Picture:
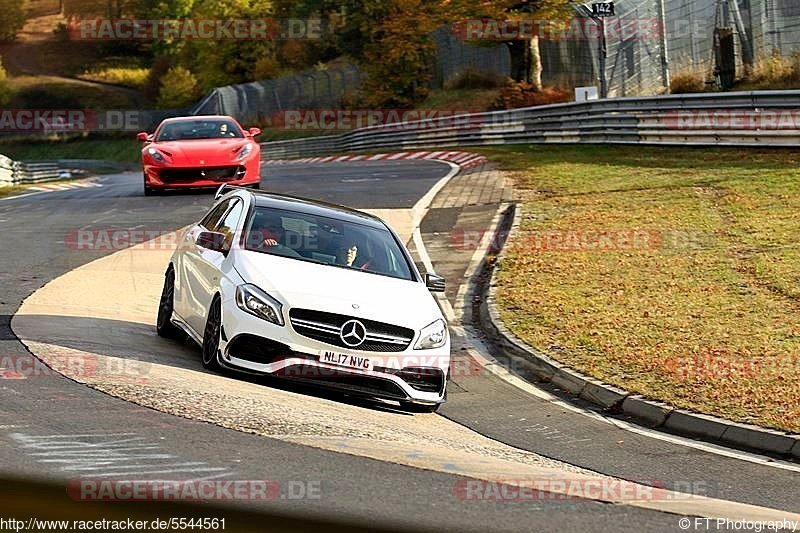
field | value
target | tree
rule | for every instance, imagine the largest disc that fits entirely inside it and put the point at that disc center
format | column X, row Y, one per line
column 390, row 39
column 5, row 89
column 178, row 89
column 12, row 19
column 526, row 61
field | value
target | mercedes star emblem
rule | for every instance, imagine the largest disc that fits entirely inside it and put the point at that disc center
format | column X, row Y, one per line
column 353, row 333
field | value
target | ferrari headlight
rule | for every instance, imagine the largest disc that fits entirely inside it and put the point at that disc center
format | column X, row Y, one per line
column 244, row 152
column 253, row 300
column 156, row 155
column 433, row 335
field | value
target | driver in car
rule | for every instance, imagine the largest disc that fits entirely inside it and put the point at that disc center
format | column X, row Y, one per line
column 273, row 235
column 348, row 256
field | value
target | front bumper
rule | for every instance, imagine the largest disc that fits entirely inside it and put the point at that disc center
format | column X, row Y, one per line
column 173, row 177
column 256, row 346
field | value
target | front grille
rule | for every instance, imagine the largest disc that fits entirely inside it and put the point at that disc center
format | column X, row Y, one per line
column 177, row 175
column 325, row 327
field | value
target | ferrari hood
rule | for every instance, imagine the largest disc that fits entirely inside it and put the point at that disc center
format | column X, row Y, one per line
column 202, row 152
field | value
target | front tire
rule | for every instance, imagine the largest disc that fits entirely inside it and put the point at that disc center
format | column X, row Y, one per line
column 211, row 336
column 164, row 326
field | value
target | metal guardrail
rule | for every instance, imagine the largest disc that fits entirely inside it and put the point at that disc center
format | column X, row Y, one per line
column 763, row 118
column 16, row 172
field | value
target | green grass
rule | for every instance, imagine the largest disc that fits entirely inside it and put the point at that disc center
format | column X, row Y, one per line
column 43, row 92
column 277, row 134
column 109, row 149
column 12, row 189
column 703, row 312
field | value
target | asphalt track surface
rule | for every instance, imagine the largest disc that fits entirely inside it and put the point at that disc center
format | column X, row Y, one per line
column 352, row 488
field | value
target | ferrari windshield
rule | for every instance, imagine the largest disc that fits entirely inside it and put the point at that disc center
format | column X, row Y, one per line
column 183, row 130
column 326, row 241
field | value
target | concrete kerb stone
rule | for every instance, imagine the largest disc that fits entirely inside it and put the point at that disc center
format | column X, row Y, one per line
column 649, row 412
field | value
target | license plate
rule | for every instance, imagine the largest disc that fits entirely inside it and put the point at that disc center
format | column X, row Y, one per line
column 350, row 361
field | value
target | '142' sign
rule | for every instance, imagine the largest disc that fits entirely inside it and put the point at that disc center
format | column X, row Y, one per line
column 603, row 9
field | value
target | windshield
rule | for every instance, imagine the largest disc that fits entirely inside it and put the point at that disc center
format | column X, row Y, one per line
column 199, row 129
column 326, row 241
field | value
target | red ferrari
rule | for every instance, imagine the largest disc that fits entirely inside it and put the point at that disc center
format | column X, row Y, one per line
column 200, row 152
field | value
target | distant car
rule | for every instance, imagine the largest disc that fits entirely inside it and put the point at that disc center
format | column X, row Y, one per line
column 200, row 152
column 273, row 284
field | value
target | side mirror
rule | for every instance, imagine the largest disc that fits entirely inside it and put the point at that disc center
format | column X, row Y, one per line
column 253, row 132
column 143, row 137
column 434, row 283
column 212, row 240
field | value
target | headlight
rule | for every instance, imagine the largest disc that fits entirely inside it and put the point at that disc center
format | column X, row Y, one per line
column 244, row 152
column 257, row 302
column 433, row 335
column 156, row 155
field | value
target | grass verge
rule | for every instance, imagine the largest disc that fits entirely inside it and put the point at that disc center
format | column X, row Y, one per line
column 673, row 273
column 118, row 150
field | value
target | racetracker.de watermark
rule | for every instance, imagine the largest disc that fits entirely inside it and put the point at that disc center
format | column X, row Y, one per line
column 192, row 490
column 75, row 365
column 623, row 28
column 568, row 489
column 567, row 240
column 78, row 120
column 577, row 29
column 399, row 119
column 193, row 29
column 723, row 119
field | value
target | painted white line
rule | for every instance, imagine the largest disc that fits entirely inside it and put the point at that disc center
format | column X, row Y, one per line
column 96, row 454
column 23, row 195
column 399, row 155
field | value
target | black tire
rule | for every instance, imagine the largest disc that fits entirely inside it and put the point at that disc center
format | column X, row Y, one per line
column 256, row 186
column 148, row 191
column 164, row 326
column 211, row 336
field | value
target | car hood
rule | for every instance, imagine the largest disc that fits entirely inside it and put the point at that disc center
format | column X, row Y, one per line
column 306, row 285
column 201, row 152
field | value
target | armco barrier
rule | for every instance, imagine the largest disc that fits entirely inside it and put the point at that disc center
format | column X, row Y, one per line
column 658, row 120
column 15, row 172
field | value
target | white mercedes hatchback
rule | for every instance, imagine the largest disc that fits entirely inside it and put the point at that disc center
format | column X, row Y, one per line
column 295, row 288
